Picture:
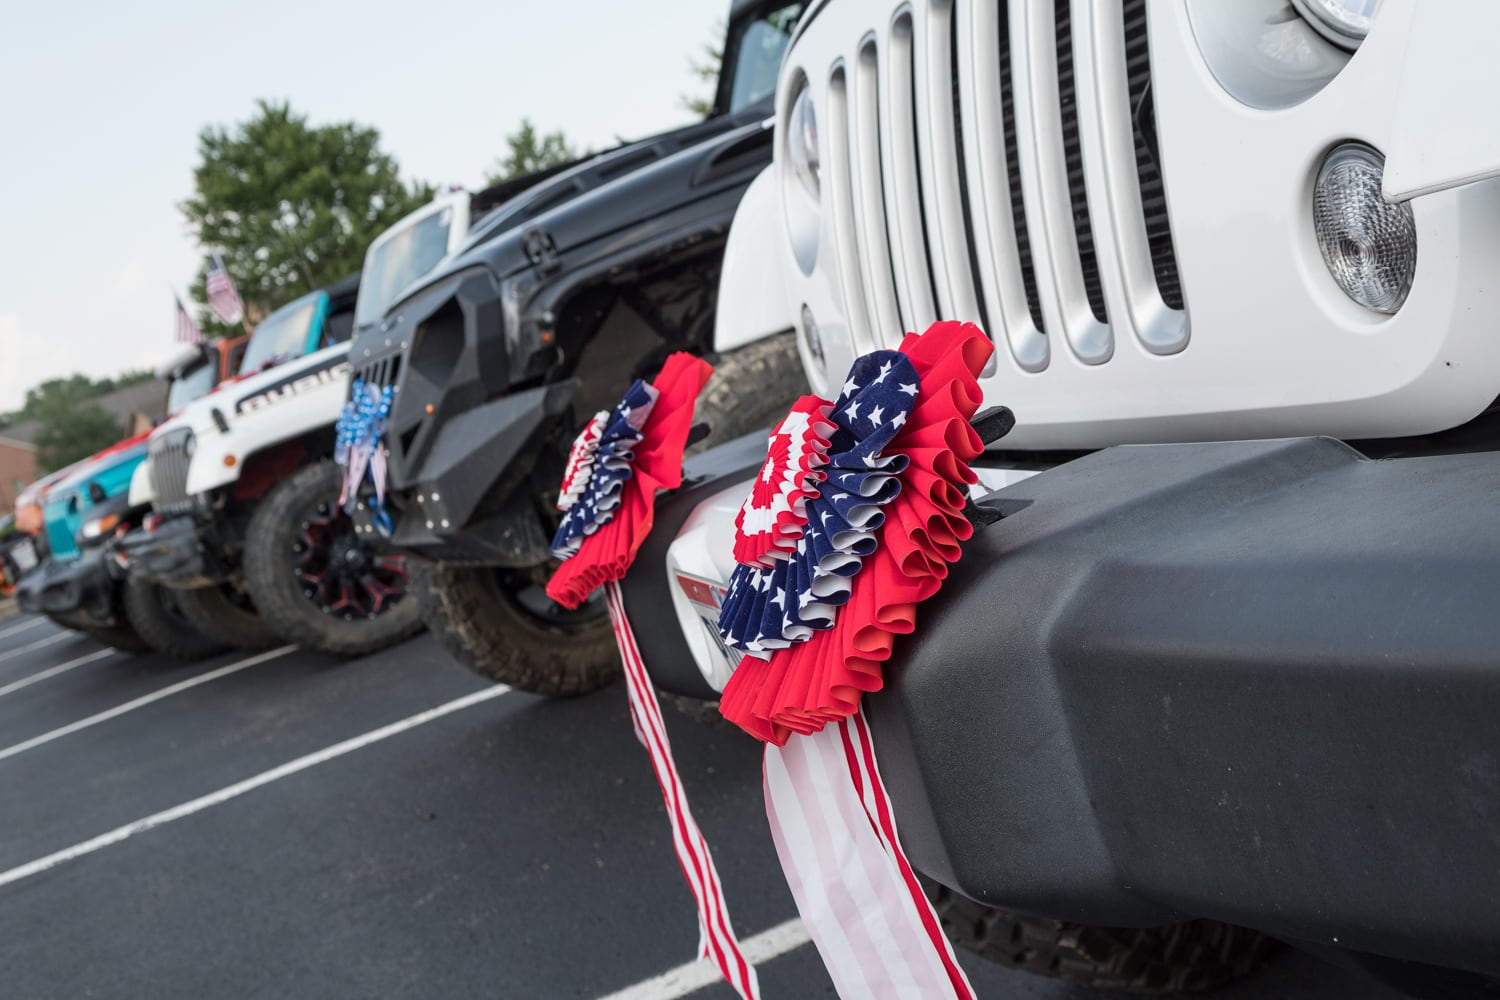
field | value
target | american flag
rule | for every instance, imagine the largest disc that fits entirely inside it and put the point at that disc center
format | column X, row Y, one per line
column 187, row 330
column 223, row 297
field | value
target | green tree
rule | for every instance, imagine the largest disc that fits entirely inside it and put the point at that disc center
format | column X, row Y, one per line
column 706, row 71
column 70, row 425
column 291, row 207
column 529, row 151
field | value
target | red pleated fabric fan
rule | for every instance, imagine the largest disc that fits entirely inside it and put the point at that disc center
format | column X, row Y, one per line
column 802, row 688
column 607, row 553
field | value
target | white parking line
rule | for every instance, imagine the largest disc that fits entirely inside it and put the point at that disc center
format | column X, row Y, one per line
column 23, row 626
column 59, row 637
column 248, row 785
column 694, row 976
column 61, row 668
column 145, row 699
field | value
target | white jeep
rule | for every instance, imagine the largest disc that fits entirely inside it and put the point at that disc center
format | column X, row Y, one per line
column 1222, row 647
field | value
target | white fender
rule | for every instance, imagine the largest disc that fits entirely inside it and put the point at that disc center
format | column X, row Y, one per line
column 1444, row 138
column 141, row 492
column 753, row 302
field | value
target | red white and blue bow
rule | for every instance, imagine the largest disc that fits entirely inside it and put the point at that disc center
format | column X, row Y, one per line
column 811, row 518
column 851, row 524
column 613, row 472
column 598, row 466
column 357, row 447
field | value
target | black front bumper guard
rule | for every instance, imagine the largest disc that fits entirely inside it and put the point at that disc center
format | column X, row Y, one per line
column 465, row 505
column 1257, row 682
column 176, row 552
column 70, row 587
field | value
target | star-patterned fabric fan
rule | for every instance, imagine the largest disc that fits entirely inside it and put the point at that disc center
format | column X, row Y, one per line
column 879, row 521
column 599, row 465
column 609, row 490
column 828, row 516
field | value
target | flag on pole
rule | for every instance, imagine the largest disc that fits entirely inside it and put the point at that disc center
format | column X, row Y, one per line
column 223, row 297
column 187, row 330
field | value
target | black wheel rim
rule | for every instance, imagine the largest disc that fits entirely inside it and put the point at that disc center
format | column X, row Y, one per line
column 341, row 573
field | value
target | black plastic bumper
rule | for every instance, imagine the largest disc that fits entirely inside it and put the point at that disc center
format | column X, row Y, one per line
column 81, row 585
column 173, row 554
column 1257, row 681
column 458, row 511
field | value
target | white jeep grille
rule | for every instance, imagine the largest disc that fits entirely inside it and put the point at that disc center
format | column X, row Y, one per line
column 998, row 162
column 167, row 459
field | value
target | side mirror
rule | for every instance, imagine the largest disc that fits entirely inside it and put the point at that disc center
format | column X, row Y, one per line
column 96, row 492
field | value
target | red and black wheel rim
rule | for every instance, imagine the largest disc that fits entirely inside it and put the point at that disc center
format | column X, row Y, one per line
column 340, row 572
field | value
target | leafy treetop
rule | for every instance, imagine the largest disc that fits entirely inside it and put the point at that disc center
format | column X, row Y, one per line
column 529, row 151
column 291, row 207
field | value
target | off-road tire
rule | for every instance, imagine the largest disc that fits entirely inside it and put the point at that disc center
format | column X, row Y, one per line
column 480, row 625
column 752, row 388
column 1189, row 957
column 211, row 611
column 154, row 612
column 270, row 574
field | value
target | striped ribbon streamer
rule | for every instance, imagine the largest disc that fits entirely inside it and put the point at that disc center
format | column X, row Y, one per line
column 716, row 941
column 835, row 833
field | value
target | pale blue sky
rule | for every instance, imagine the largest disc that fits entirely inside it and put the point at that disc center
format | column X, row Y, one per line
column 101, row 104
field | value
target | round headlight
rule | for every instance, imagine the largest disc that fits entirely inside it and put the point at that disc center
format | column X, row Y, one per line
column 1345, row 23
column 802, row 140
column 1368, row 243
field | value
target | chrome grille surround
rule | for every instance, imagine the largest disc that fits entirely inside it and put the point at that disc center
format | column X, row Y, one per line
column 167, row 459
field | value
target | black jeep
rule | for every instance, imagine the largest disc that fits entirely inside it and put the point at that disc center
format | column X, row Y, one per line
column 561, row 298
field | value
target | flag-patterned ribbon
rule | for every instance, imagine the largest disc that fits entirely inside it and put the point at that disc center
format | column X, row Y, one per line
column 357, row 448
column 716, row 938
column 608, row 493
column 875, row 524
column 835, row 834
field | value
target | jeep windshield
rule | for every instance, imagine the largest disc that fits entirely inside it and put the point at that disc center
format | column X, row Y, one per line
column 752, row 54
column 403, row 258
column 190, row 383
column 280, row 336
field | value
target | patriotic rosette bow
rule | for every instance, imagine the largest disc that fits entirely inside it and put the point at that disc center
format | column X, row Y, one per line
column 803, row 533
column 616, row 465
column 357, row 448
column 598, row 467
column 608, row 495
column 852, row 522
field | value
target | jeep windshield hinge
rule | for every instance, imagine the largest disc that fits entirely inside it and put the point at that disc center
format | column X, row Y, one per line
column 541, row 249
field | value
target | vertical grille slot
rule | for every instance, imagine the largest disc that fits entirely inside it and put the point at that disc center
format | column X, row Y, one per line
column 940, row 146
column 1067, row 99
column 1000, row 241
column 903, row 185
column 1148, row 155
column 874, row 251
column 1013, row 177
column 842, row 197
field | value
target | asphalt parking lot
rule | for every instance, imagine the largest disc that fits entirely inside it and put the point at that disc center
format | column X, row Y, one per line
column 290, row 825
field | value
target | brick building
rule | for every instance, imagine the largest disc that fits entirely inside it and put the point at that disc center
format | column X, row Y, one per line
column 135, row 407
column 17, row 470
